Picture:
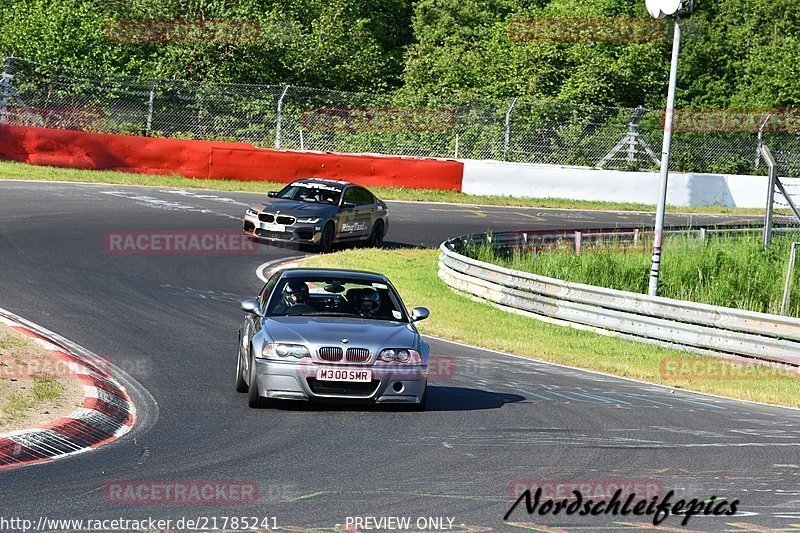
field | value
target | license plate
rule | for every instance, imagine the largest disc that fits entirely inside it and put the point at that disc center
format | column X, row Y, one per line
column 274, row 227
column 344, row 374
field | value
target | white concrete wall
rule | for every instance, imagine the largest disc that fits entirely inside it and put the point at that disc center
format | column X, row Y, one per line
column 583, row 183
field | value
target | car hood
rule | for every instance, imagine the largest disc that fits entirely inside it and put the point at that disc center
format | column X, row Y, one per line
column 294, row 208
column 329, row 331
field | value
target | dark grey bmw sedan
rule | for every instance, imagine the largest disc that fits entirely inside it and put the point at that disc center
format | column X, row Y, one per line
column 318, row 212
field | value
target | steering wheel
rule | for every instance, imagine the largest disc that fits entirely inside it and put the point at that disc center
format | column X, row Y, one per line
column 299, row 309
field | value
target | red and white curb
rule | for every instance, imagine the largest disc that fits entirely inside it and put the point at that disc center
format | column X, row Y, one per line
column 107, row 412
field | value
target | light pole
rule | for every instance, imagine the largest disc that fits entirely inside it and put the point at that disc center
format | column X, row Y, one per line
column 660, row 9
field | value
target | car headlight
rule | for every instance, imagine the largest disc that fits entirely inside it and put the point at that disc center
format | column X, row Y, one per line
column 308, row 220
column 252, row 212
column 400, row 355
column 285, row 350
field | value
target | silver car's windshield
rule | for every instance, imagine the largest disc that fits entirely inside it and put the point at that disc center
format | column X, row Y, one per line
column 318, row 193
column 328, row 296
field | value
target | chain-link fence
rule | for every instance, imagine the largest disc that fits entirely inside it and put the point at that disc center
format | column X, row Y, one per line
column 302, row 118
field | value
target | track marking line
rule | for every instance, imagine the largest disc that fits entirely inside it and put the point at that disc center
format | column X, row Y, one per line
column 533, row 394
column 649, row 526
column 754, row 527
column 536, row 527
column 306, row 496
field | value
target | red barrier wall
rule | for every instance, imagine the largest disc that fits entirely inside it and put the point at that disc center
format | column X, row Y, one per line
column 218, row 160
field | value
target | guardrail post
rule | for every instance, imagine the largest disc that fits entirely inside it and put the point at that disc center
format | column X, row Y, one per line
column 577, row 242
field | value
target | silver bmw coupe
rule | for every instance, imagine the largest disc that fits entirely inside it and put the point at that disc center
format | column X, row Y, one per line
column 316, row 334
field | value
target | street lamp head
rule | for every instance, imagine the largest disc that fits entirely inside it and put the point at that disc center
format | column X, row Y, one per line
column 660, row 9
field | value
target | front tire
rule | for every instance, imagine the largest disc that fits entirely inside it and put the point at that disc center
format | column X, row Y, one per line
column 254, row 400
column 326, row 239
column 241, row 384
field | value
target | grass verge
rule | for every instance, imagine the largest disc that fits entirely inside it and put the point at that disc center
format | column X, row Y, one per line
column 35, row 388
column 455, row 317
column 727, row 270
column 12, row 170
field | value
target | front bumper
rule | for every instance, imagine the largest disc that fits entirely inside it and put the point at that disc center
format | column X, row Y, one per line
column 290, row 380
column 296, row 233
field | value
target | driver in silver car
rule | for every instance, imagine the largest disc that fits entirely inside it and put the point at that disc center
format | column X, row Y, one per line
column 295, row 298
column 368, row 302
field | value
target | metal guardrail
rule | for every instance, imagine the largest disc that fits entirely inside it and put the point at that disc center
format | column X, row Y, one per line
column 692, row 326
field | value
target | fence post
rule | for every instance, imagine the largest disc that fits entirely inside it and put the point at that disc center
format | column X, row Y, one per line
column 577, row 242
column 5, row 85
column 278, row 123
column 508, row 127
column 787, row 287
column 302, row 145
column 760, row 137
column 455, row 156
column 773, row 173
column 150, row 106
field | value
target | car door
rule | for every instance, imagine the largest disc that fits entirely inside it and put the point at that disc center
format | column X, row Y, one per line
column 346, row 219
column 364, row 211
column 351, row 223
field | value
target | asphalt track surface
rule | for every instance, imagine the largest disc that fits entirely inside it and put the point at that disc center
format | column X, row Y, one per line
column 170, row 321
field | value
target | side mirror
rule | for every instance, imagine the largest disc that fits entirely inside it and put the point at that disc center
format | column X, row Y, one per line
column 251, row 306
column 419, row 313
column 272, row 194
column 348, row 205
